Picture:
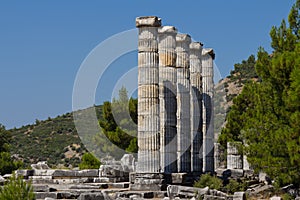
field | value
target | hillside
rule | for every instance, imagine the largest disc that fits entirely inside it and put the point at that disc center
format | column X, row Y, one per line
column 229, row 87
column 54, row 140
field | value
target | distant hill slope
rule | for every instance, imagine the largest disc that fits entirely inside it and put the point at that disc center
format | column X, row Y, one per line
column 54, row 140
column 230, row 87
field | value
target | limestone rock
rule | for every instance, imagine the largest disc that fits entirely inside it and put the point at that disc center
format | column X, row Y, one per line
column 275, row 198
column 40, row 165
column 91, row 196
column 239, row 196
column 264, row 178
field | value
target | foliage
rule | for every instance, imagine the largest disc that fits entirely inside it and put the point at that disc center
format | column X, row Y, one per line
column 7, row 164
column 266, row 115
column 119, row 125
column 47, row 140
column 235, row 186
column 89, row 161
column 17, row 189
column 244, row 71
column 207, row 180
column 132, row 148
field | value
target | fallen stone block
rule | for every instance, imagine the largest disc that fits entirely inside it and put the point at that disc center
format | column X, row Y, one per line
column 64, row 173
column 43, row 195
column 25, row 173
column 87, row 173
column 91, row 196
column 40, row 165
column 40, row 177
column 239, row 196
column 176, row 190
column 212, row 197
column 40, row 188
column 43, row 172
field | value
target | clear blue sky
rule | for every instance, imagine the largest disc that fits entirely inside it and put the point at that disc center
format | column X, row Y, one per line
column 43, row 43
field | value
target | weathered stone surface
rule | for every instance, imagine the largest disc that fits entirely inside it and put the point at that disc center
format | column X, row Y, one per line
column 208, row 119
column 43, row 172
column 91, row 196
column 167, row 98
column 43, row 195
column 183, row 103
column 175, row 191
column 87, row 173
column 239, row 196
column 212, row 197
column 147, row 21
column 275, row 198
column 25, row 173
column 234, row 158
column 40, row 188
column 40, row 165
column 196, row 107
column 148, row 110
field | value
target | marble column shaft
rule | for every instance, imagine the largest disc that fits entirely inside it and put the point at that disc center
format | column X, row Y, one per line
column 167, row 98
column 208, row 116
column 234, row 158
column 183, row 103
column 196, row 106
column 148, row 97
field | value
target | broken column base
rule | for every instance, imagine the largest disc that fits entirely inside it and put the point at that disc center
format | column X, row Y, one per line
column 149, row 181
column 159, row 181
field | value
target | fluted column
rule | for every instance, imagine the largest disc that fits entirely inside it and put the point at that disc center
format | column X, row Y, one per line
column 167, row 98
column 148, row 97
column 183, row 103
column 208, row 116
column 234, row 158
column 196, row 106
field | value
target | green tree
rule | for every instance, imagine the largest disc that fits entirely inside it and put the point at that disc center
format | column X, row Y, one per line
column 266, row 115
column 7, row 164
column 89, row 161
column 17, row 189
column 119, row 124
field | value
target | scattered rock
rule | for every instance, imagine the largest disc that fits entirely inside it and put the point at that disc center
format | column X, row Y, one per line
column 40, row 165
column 275, row 198
column 264, row 178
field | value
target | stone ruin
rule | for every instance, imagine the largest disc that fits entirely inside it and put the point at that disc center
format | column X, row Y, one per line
column 175, row 105
column 176, row 141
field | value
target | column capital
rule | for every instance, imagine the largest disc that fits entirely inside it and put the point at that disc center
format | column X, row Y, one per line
column 196, row 46
column 209, row 52
column 167, row 30
column 148, row 21
column 183, row 38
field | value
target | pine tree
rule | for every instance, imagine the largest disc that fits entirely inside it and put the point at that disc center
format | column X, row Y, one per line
column 266, row 115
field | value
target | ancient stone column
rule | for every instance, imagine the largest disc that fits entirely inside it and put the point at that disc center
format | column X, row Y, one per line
column 167, row 98
column 234, row 158
column 208, row 116
column 183, row 103
column 196, row 106
column 148, row 99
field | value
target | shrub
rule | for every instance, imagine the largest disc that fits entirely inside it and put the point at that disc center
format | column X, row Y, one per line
column 89, row 161
column 17, row 189
column 212, row 182
column 7, row 164
column 233, row 186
